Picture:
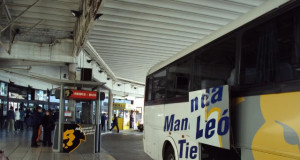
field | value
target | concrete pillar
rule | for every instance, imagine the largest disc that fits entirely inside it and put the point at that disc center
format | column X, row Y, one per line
column 61, row 118
column 110, row 106
column 71, row 103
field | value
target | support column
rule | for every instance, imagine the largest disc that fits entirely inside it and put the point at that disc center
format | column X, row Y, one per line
column 61, row 117
column 110, row 106
column 71, row 103
column 98, row 127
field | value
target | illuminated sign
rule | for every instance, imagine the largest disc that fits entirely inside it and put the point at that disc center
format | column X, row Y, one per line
column 80, row 94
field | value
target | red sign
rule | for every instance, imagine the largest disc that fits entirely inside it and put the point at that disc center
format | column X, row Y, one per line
column 79, row 94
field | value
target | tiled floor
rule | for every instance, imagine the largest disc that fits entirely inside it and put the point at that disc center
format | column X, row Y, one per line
column 17, row 147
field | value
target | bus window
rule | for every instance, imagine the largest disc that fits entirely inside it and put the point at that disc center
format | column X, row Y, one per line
column 149, row 89
column 269, row 51
column 215, row 66
column 178, row 78
column 159, row 86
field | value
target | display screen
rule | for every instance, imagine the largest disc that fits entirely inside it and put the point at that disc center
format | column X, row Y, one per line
column 3, row 89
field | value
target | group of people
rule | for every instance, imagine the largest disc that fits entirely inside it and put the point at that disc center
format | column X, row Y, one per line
column 38, row 119
column 42, row 119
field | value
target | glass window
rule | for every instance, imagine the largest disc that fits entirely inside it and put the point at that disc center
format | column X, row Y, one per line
column 269, row 51
column 149, row 89
column 215, row 65
column 159, row 86
column 179, row 78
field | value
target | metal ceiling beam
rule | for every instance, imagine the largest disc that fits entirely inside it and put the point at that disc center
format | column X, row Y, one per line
column 7, row 63
column 125, row 53
column 147, row 36
column 14, row 20
column 250, row 3
column 169, row 26
column 129, row 59
column 224, row 5
column 136, row 43
column 6, row 10
column 168, row 12
column 129, row 48
column 186, row 7
column 47, row 16
column 203, row 21
column 152, row 29
column 42, row 9
column 48, row 22
column 114, row 44
column 52, row 24
column 48, row 3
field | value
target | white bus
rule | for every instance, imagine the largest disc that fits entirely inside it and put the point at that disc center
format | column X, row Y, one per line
column 236, row 95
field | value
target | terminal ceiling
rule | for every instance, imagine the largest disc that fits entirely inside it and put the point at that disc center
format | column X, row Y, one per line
column 131, row 35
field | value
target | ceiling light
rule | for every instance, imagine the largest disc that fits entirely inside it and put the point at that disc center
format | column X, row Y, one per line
column 89, row 61
column 76, row 13
column 97, row 16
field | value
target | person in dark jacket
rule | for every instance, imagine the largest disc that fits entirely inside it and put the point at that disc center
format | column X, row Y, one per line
column 115, row 123
column 48, row 125
column 103, row 120
column 36, row 122
column 11, row 120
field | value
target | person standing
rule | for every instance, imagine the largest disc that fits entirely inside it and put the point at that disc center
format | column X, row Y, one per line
column 11, row 120
column 22, row 116
column 17, row 118
column 48, row 125
column 1, row 116
column 103, row 121
column 36, row 122
column 115, row 123
column 27, row 116
column 131, row 121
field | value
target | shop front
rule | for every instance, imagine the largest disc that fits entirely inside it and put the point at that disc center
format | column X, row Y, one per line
column 126, row 114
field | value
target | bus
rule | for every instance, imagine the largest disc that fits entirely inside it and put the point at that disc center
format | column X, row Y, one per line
column 233, row 96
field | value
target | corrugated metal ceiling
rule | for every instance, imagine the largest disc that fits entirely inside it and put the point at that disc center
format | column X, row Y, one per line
column 133, row 35
column 53, row 19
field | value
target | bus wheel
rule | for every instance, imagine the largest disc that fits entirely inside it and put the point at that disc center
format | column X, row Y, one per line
column 169, row 153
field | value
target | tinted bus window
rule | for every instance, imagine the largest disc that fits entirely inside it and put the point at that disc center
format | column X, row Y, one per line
column 149, row 89
column 159, row 85
column 215, row 66
column 269, row 51
column 179, row 78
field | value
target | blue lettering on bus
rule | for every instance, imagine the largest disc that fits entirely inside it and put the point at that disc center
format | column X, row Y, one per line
column 210, row 127
column 190, row 152
column 171, row 125
column 207, row 99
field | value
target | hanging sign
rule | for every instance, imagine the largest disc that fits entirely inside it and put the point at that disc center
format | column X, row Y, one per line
column 80, row 94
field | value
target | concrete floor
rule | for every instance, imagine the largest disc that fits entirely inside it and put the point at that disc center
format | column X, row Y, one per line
column 126, row 145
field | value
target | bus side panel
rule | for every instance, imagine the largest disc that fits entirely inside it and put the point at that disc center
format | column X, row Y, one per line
column 181, row 112
column 269, row 126
column 153, row 123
